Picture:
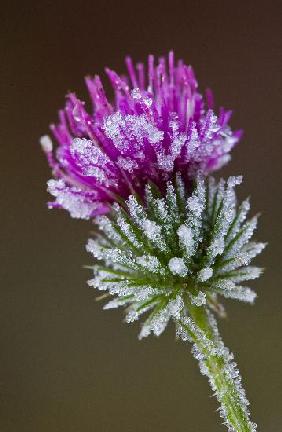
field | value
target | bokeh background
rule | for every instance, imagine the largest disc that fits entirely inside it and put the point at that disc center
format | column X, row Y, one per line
column 67, row 366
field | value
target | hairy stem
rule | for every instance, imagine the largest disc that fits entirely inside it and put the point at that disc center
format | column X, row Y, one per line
column 216, row 362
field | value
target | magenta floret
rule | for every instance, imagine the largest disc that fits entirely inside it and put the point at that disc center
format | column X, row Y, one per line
column 157, row 125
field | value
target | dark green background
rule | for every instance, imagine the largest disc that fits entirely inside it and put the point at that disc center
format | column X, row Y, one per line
column 67, row 366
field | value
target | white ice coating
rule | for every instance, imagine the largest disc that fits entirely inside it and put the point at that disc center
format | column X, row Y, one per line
column 67, row 197
column 177, row 267
column 205, row 274
column 150, row 263
column 195, row 207
column 224, row 219
column 46, row 143
column 186, row 239
column 107, row 227
column 130, row 130
column 199, row 299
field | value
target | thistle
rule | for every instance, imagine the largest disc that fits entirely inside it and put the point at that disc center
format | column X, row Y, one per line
column 169, row 241
column 159, row 124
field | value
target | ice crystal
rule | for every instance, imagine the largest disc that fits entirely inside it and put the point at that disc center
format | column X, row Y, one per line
column 179, row 248
column 158, row 124
column 205, row 274
column 177, row 266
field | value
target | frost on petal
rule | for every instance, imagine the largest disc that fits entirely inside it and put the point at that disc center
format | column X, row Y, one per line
column 81, row 204
column 156, row 125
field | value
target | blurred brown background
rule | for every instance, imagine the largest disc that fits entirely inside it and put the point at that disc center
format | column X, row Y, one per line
column 65, row 364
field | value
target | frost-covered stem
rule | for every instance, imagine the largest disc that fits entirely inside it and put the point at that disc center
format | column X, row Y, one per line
column 216, row 363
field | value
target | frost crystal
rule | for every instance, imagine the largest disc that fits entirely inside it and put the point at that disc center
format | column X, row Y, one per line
column 158, row 124
column 205, row 274
column 161, row 254
column 177, row 266
column 199, row 300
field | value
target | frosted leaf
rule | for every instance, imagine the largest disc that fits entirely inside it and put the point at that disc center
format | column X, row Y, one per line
column 244, row 294
column 195, row 206
column 144, row 292
column 106, row 226
column 224, row 218
column 163, row 211
column 180, row 187
column 211, row 194
column 224, row 284
column 152, row 230
column 216, row 248
column 154, row 233
column 131, row 316
column 171, row 197
column 199, row 299
column 156, row 324
column 246, row 273
column 243, row 258
column 177, row 266
column 136, row 211
column 114, row 255
column 115, row 303
column 239, row 219
column 244, row 237
column 125, row 227
column 185, row 235
column 253, row 249
column 181, row 333
column 150, row 263
column 219, row 196
column 156, row 253
column 239, row 260
column 175, row 307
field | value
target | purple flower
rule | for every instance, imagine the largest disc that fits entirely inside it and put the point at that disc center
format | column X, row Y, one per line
column 157, row 125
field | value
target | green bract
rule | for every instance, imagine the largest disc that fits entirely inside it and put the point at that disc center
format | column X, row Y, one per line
column 160, row 254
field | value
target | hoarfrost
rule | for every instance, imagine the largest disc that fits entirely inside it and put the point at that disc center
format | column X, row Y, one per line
column 177, row 266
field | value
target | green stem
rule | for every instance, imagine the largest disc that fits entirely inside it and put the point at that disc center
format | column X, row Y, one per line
column 216, row 363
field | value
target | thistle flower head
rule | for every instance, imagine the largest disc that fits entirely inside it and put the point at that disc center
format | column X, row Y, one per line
column 158, row 124
column 175, row 250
